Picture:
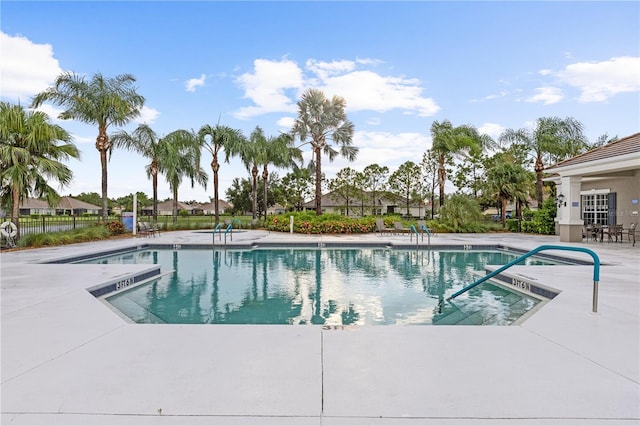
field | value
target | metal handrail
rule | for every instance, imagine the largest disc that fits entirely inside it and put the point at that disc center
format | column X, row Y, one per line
column 426, row 230
column 229, row 229
column 413, row 230
column 218, row 230
column 596, row 270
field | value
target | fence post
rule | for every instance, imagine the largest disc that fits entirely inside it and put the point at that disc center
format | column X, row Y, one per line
column 43, row 222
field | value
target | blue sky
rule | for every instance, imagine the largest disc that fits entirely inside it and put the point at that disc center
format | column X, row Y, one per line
column 399, row 65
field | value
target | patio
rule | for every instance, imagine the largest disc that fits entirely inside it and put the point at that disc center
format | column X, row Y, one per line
column 68, row 359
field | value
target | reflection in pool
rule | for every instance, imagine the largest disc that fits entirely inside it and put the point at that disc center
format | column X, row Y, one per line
column 319, row 286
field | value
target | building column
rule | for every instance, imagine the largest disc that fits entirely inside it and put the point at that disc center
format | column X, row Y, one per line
column 569, row 221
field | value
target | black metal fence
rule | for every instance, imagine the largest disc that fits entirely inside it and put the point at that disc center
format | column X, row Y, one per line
column 51, row 224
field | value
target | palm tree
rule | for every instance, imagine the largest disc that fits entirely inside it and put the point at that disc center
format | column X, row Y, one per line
column 31, row 156
column 449, row 141
column 325, row 123
column 179, row 157
column 101, row 101
column 213, row 139
column 553, row 137
column 280, row 152
column 146, row 142
column 507, row 180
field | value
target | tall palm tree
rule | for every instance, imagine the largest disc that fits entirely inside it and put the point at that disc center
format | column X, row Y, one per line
column 179, row 157
column 280, row 152
column 31, row 154
column 214, row 139
column 146, row 142
column 449, row 141
column 324, row 123
column 100, row 101
column 507, row 180
column 553, row 137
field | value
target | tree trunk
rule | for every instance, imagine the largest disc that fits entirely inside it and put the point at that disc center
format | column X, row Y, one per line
column 215, row 167
column 504, row 211
column 538, row 169
column 442, row 176
column 318, row 154
column 254, row 190
column 154, row 180
column 15, row 209
column 175, row 204
column 102, row 145
column 265, row 178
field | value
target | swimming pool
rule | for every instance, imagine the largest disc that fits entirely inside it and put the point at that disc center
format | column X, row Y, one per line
column 364, row 286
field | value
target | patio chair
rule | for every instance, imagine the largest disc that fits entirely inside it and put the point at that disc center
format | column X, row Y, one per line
column 143, row 230
column 399, row 228
column 613, row 232
column 630, row 231
column 151, row 230
column 381, row 227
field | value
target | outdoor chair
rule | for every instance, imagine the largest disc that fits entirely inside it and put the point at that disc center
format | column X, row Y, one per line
column 399, row 228
column 143, row 230
column 148, row 230
column 629, row 231
column 613, row 232
column 381, row 227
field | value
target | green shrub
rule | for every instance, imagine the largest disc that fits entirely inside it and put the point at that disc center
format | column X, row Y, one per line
column 89, row 233
column 309, row 223
column 461, row 214
column 541, row 221
column 512, row 225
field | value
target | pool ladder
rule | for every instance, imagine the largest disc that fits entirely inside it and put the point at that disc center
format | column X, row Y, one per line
column 424, row 229
column 218, row 229
column 596, row 271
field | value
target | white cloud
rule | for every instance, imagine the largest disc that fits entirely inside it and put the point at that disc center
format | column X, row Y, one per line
column 362, row 89
column 547, row 95
column 192, row 83
column 325, row 70
column 51, row 111
column 599, row 81
column 266, row 87
column 491, row 129
column 366, row 90
column 285, row 123
column 26, row 68
column 147, row 115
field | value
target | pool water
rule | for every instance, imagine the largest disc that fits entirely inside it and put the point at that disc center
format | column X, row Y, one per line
column 372, row 286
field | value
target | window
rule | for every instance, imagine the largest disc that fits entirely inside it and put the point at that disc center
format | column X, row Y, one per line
column 599, row 208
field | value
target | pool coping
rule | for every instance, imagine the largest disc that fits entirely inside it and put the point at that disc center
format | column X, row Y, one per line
column 572, row 355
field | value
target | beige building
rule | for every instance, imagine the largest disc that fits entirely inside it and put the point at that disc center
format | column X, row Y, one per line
column 66, row 206
column 333, row 203
column 600, row 186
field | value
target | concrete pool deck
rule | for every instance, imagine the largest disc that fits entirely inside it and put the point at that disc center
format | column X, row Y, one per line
column 68, row 359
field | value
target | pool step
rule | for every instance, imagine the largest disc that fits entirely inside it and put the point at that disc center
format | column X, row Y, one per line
column 459, row 316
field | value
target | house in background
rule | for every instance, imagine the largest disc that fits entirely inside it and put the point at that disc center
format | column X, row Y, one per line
column 600, row 186
column 210, row 208
column 165, row 208
column 334, row 203
column 66, row 206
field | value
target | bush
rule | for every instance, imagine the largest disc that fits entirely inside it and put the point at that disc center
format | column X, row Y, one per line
column 541, row 221
column 114, row 227
column 90, row 233
column 328, row 223
column 461, row 214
